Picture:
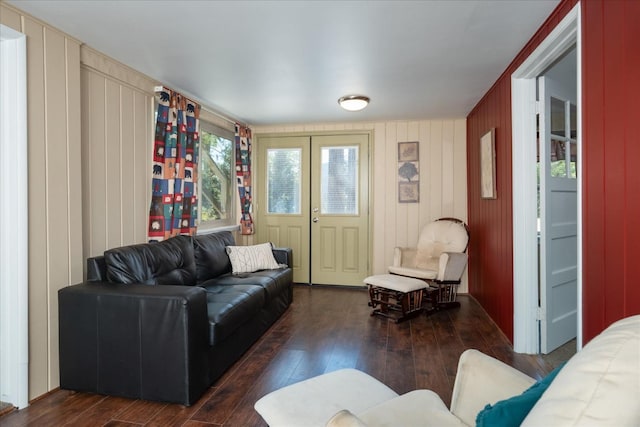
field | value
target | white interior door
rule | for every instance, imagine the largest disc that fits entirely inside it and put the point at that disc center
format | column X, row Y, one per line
column 558, row 215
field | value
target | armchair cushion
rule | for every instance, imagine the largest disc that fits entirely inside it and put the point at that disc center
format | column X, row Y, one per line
column 439, row 254
column 314, row 401
column 438, row 237
column 483, row 380
column 416, row 408
column 512, row 411
column 345, row 418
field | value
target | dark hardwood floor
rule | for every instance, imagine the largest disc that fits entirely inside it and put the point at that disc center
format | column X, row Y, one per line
column 325, row 329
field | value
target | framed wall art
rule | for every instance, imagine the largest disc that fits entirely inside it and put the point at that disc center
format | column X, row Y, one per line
column 488, row 165
column 408, row 172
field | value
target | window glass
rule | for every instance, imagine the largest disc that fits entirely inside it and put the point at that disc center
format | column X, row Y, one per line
column 557, row 158
column 216, row 189
column 339, row 180
column 284, row 180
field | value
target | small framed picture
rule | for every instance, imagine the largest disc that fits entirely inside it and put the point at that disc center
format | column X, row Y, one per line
column 488, row 165
column 409, row 192
column 408, row 151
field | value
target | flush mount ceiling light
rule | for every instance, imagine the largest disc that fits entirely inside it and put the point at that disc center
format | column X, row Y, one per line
column 353, row 102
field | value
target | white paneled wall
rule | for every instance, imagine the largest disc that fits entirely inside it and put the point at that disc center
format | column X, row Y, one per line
column 443, row 178
column 55, row 204
column 117, row 140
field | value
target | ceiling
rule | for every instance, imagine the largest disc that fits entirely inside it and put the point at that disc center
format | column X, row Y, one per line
column 286, row 62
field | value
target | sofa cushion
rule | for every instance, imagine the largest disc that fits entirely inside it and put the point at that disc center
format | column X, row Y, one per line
column 228, row 307
column 247, row 259
column 170, row 262
column 273, row 282
column 211, row 255
column 511, row 412
column 599, row 385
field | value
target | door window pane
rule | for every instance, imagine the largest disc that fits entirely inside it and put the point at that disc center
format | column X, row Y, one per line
column 284, row 180
column 573, row 125
column 557, row 157
column 339, row 180
column 557, row 117
column 563, row 150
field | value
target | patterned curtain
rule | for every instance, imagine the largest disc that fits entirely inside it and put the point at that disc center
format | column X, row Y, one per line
column 174, row 204
column 243, row 176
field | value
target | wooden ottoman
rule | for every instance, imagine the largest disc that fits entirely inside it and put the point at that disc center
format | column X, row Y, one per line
column 399, row 297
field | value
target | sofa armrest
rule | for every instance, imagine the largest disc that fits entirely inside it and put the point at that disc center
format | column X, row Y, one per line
column 96, row 269
column 483, row 380
column 138, row 341
column 451, row 265
column 283, row 256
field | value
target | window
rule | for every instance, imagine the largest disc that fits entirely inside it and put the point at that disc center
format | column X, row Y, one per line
column 284, row 177
column 216, row 178
column 339, row 180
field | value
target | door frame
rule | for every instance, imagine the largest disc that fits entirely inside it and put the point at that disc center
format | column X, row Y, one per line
column 525, row 242
column 370, row 132
column 14, row 227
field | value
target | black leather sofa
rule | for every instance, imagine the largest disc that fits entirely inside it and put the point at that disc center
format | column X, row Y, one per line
column 162, row 321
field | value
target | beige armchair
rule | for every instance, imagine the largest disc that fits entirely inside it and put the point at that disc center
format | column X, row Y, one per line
column 439, row 258
column 355, row 399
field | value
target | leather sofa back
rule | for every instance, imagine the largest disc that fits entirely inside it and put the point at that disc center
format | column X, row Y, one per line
column 211, row 256
column 170, row 262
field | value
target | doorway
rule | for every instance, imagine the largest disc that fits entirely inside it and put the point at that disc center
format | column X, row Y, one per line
column 313, row 196
column 557, row 195
column 527, row 309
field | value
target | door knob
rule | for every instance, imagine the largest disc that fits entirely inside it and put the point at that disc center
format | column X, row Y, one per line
column 316, row 209
column 315, row 219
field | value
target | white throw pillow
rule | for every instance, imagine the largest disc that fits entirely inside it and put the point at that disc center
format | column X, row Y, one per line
column 247, row 259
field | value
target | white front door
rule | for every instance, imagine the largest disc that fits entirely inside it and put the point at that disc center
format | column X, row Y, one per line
column 558, row 216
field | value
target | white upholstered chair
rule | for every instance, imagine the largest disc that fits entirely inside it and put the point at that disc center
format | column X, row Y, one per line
column 439, row 258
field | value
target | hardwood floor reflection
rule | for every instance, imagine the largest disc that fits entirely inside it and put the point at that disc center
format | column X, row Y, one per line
column 325, row 329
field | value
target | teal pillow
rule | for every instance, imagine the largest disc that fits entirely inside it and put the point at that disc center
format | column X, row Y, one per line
column 511, row 412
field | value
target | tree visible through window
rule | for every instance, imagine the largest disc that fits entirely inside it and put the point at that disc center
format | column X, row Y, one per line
column 216, row 176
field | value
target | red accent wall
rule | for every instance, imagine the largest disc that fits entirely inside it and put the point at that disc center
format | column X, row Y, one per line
column 611, row 146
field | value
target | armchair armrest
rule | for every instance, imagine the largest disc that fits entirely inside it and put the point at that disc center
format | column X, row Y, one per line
column 483, row 380
column 138, row 341
column 451, row 266
column 404, row 257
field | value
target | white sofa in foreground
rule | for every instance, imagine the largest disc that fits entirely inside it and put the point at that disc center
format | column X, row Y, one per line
column 599, row 386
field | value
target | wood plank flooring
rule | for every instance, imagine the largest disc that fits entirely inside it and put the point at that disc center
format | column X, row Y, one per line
column 325, row 329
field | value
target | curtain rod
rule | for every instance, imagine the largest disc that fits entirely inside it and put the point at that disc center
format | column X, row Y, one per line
column 210, row 110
